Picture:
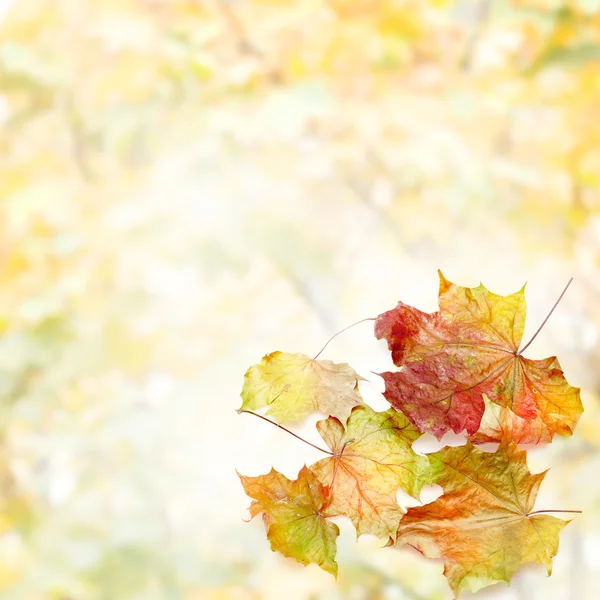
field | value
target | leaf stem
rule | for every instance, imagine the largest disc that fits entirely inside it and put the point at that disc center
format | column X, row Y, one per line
column 338, row 455
column 546, row 319
column 342, row 331
column 249, row 412
column 537, row 512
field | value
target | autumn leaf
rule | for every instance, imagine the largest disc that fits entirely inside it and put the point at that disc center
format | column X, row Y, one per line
column 372, row 458
column 294, row 385
column 293, row 513
column 470, row 347
column 483, row 525
column 499, row 422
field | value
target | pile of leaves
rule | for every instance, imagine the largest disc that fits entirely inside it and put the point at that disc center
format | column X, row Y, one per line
column 460, row 369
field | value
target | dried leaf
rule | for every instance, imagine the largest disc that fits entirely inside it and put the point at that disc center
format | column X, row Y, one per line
column 483, row 524
column 294, row 385
column 373, row 458
column 293, row 515
column 470, row 347
column 499, row 422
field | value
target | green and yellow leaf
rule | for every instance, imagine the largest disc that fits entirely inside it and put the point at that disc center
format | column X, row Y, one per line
column 294, row 385
column 373, row 458
column 294, row 515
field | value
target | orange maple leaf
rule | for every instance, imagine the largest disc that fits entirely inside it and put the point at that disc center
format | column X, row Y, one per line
column 484, row 524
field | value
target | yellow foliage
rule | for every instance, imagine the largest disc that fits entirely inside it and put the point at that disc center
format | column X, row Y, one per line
column 229, row 592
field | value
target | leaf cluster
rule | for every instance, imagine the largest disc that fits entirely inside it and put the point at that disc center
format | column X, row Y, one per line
column 459, row 369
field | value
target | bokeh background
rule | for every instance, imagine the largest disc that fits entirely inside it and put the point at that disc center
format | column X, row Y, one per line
column 186, row 185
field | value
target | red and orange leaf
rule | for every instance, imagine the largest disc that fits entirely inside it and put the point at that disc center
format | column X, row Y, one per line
column 499, row 422
column 483, row 525
column 470, row 347
column 294, row 385
column 372, row 459
column 293, row 513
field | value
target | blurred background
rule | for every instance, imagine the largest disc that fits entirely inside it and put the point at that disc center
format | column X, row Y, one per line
column 187, row 185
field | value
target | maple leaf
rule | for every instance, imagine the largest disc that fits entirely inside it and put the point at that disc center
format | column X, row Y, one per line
column 294, row 385
column 372, row 458
column 293, row 513
column 483, row 525
column 470, row 347
column 499, row 422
